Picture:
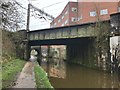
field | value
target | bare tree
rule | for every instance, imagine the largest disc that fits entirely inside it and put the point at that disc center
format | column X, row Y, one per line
column 11, row 15
column 102, row 40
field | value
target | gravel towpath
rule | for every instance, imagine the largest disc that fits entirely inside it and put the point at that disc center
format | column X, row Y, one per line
column 27, row 77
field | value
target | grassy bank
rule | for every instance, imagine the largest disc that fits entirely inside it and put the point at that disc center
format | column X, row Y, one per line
column 10, row 71
column 41, row 78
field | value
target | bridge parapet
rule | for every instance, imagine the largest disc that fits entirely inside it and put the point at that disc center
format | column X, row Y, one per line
column 76, row 31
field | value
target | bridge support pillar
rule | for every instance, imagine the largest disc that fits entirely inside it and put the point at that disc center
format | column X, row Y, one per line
column 39, row 53
column 27, row 52
column 68, row 52
column 73, row 53
column 81, row 52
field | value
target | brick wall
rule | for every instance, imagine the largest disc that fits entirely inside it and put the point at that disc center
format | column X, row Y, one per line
column 86, row 7
column 84, row 10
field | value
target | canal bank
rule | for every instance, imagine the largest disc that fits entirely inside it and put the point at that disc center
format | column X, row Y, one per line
column 21, row 74
column 41, row 77
column 10, row 72
column 32, row 76
column 26, row 78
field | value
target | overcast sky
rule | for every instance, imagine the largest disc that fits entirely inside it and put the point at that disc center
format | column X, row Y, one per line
column 52, row 7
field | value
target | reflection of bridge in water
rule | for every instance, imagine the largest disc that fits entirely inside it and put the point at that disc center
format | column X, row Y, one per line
column 76, row 76
column 54, row 69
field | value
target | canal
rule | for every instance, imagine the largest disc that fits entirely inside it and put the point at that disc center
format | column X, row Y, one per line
column 64, row 75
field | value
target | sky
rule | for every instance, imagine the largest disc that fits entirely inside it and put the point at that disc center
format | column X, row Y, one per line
column 52, row 7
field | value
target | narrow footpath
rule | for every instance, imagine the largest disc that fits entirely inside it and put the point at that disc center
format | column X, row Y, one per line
column 27, row 77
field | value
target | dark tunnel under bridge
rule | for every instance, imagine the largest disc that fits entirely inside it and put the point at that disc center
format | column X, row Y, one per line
column 78, row 50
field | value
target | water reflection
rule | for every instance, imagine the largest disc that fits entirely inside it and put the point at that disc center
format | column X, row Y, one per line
column 64, row 75
column 81, row 77
column 55, row 67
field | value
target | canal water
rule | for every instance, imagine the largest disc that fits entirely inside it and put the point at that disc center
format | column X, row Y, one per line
column 63, row 75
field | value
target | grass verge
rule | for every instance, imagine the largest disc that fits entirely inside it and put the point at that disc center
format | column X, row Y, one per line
column 10, row 71
column 41, row 78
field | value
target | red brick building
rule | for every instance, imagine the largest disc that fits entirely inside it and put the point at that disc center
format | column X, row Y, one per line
column 64, row 18
column 85, row 12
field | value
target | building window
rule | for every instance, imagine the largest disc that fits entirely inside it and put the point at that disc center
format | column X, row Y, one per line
column 119, row 9
column 104, row 12
column 93, row 13
column 79, row 18
column 59, row 20
column 74, row 9
column 66, row 21
column 62, row 24
column 55, row 24
column 52, row 26
column 73, row 19
column 66, row 12
column 62, row 16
